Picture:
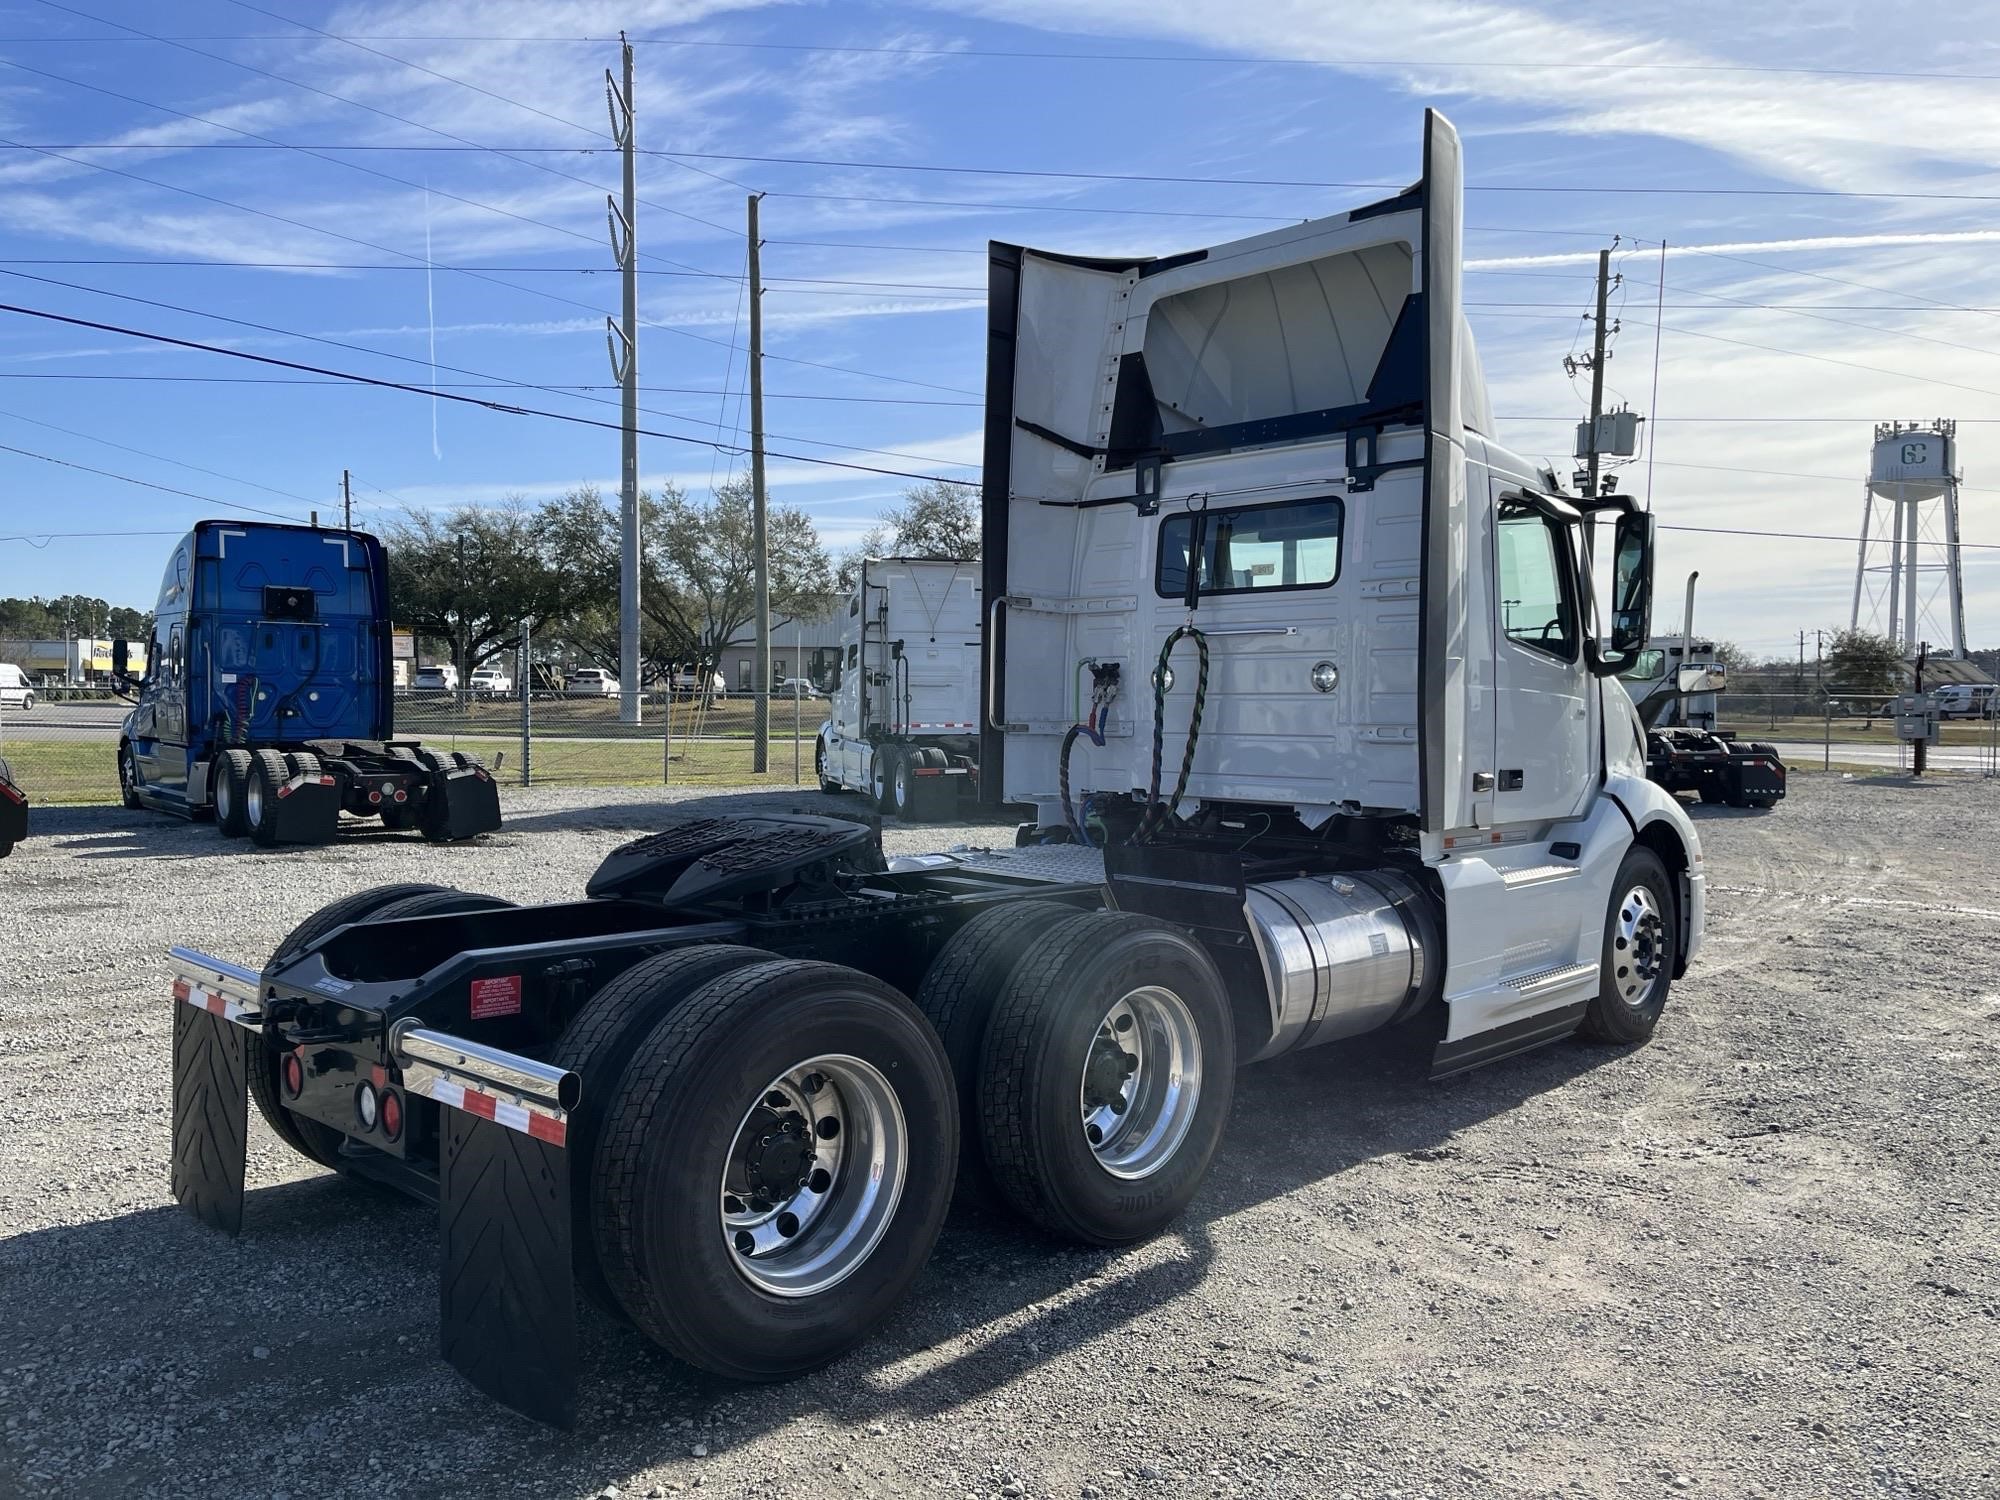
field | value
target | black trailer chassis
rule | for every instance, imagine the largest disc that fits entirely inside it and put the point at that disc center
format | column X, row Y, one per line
column 296, row 793
column 568, row 1082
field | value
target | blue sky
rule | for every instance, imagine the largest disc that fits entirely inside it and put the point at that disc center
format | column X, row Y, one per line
column 1558, row 101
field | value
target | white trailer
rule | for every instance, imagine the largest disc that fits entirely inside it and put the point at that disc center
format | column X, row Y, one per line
column 903, row 727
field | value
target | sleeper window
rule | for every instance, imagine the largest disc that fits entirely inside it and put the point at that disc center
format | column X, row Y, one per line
column 1293, row 545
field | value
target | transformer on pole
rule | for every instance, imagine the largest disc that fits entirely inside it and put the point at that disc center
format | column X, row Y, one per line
column 1909, row 581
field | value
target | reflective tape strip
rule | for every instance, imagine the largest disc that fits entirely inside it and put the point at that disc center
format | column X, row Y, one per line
column 953, row 724
column 215, row 1003
column 530, row 1119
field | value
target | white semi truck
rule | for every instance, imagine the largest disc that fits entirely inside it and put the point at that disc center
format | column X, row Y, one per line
column 1347, row 749
column 903, row 727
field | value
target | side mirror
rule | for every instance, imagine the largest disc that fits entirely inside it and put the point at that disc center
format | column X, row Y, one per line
column 1631, row 602
column 1691, row 680
column 121, row 662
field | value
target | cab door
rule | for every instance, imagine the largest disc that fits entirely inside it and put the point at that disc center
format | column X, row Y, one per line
column 1541, row 719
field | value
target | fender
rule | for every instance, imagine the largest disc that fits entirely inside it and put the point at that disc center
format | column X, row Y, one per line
column 1660, row 822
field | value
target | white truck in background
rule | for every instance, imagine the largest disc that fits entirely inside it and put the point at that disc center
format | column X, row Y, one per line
column 904, row 722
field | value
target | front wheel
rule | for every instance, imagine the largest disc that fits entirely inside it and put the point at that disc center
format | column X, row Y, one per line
column 776, row 1168
column 819, row 769
column 1641, row 938
column 1105, row 1078
column 128, row 777
column 27, row 702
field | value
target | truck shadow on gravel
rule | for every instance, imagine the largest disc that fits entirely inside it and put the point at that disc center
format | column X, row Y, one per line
column 329, row 1300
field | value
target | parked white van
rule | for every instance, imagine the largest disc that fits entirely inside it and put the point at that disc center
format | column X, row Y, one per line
column 15, row 689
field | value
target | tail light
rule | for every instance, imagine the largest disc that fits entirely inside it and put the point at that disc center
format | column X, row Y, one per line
column 294, row 1075
column 391, row 1114
column 367, row 1105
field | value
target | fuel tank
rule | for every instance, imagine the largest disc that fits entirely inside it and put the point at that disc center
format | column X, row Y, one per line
column 1343, row 954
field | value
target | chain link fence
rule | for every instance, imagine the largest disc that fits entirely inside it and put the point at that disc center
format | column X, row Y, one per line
column 1833, row 730
column 64, row 748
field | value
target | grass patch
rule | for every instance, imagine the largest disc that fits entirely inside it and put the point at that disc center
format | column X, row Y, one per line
column 66, row 771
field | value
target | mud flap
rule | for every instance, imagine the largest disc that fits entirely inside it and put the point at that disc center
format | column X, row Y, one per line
column 308, row 811
column 471, row 802
column 507, row 1287
column 211, row 1103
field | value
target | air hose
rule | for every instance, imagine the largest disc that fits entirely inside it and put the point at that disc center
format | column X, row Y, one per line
column 1093, row 728
column 1157, row 812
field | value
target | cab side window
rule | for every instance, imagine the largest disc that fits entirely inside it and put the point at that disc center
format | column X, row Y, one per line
column 1537, row 594
column 173, row 665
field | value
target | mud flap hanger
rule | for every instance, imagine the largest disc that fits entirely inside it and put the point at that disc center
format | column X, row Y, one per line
column 507, row 1298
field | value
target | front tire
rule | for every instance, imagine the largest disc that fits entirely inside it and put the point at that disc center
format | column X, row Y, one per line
column 1105, row 1078
column 128, row 777
column 819, row 769
column 1641, row 940
column 779, row 1163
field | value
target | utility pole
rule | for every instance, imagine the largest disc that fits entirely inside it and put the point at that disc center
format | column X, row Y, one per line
column 346, row 502
column 623, row 342
column 1597, row 374
column 760, row 561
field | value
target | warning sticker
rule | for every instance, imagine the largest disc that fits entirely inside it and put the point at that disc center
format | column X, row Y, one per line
column 499, row 996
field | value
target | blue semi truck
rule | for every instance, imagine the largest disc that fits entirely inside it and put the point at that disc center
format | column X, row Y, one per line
column 269, row 696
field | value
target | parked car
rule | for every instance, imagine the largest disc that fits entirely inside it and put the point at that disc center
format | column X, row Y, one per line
column 435, row 680
column 590, row 682
column 694, row 680
column 491, row 682
column 15, row 689
column 803, row 687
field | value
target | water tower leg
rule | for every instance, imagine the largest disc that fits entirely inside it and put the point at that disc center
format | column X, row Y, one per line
column 1861, row 562
column 1910, row 629
column 1954, row 577
column 1895, row 571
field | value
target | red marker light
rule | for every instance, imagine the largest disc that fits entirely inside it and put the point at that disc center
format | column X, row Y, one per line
column 294, row 1075
column 391, row 1114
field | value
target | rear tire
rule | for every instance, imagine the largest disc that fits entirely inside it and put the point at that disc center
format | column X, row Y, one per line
column 597, row 1045
column 718, row 1251
column 1641, row 940
column 1105, row 1078
column 957, row 997
column 260, row 803
column 232, row 787
column 882, row 777
column 903, row 783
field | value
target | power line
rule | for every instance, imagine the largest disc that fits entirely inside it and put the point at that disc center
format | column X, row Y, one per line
column 143, row 483
column 88, row 437
column 1819, row 536
column 329, row 265
column 506, row 385
column 1962, row 421
column 505, row 408
column 343, row 99
column 1036, row 55
column 490, row 94
column 1824, row 359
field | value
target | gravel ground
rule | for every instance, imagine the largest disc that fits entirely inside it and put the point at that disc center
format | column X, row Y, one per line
column 1757, row 1257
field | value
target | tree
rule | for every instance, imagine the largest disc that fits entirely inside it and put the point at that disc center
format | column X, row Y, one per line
column 701, row 555
column 874, row 542
column 937, row 519
column 1859, row 661
column 471, row 577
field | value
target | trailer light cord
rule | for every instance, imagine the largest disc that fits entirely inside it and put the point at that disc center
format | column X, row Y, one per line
column 1100, row 714
column 1156, row 811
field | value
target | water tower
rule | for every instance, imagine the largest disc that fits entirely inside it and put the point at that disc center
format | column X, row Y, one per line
column 1907, row 583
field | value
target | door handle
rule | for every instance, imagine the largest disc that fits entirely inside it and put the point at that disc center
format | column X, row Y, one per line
column 1482, row 781
column 993, row 664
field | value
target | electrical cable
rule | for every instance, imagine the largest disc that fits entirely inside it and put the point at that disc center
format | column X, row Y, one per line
column 144, row 484
column 502, row 407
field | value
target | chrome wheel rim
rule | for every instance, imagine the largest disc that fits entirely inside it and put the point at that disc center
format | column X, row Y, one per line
column 1141, row 1082
column 813, row 1177
column 1638, row 947
column 253, row 800
column 224, row 806
column 125, row 772
column 902, row 793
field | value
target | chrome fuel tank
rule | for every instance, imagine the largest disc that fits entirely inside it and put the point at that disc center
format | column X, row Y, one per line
column 1342, row 954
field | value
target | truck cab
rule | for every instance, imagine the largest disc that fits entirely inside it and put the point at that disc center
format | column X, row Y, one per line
column 1253, row 497
column 268, row 694
column 903, row 721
